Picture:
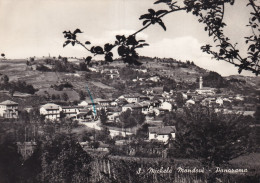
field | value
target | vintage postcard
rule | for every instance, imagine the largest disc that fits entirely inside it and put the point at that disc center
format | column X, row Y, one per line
column 129, row 91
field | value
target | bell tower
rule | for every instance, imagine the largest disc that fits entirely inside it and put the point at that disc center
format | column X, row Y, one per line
column 201, row 82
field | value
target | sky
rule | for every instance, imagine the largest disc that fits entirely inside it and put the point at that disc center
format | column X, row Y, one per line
column 34, row 28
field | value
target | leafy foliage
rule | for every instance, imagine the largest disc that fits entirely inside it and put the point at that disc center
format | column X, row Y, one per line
column 62, row 159
column 213, row 79
column 213, row 137
column 210, row 13
column 20, row 86
column 10, row 162
column 131, row 118
column 103, row 116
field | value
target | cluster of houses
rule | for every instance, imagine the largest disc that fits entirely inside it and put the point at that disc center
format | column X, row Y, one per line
column 152, row 103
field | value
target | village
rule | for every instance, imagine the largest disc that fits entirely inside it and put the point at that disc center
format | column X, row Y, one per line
column 154, row 107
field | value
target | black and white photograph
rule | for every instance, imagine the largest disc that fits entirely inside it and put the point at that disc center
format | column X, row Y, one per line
column 129, row 91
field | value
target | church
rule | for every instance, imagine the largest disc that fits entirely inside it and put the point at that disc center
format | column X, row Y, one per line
column 205, row 90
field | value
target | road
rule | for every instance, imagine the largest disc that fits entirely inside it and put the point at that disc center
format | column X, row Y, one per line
column 113, row 133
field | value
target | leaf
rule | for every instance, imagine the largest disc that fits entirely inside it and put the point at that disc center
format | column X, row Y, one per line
column 77, row 31
column 239, row 70
column 145, row 44
column 108, row 47
column 92, row 49
column 163, row 1
column 139, row 46
column 142, row 45
column 151, row 11
column 66, row 43
column 162, row 25
column 131, row 40
column 121, row 51
column 87, row 42
column 221, row 52
column 161, row 12
column 98, row 50
column 88, row 59
column 252, row 47
column 141, row 41
column 120, row 38
column 145, row 22
column 109, row 57
column 145, row 16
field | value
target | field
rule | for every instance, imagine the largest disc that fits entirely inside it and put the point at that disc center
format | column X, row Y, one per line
column 101, row 85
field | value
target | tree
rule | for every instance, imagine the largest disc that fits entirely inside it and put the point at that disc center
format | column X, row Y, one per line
column 210, row 13
column 5, row 79
column 103, row 116
column 53, row 97
column 104, row 136
column 138, row 116
column 62, row 159
column 83, row 66
column 10, row 162
column 180, row 99
column 82, row 95
column 257, row 114
column 65, row 96
column 169, row 119
column 142, row 132
column 212, row 137
column 127, row 119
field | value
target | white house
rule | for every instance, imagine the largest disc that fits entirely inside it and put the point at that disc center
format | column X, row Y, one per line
column 84, row 115
column 166, row 106
column 112, row 116
column 133, row 106
column 154, row 78
column 238, row 97
column 132, row 98
column 70, row 111
column 9, row 109
column 146, row 107
column 93, row 69
column 114, row 103
column 190, row 102
column 51, row 111
column 162, row 133
column 219, row 101
column 103, row 102
column 112, row 73
column 87, row 103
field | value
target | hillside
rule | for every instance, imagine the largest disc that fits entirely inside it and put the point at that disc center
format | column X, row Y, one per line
column 172, row 73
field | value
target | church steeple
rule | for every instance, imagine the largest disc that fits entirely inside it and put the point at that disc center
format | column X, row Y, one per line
column 201, row 82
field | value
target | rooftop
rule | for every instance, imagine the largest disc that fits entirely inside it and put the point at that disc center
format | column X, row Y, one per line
column 162, row 130
column 51, row 106
column 8, row 102
column 133, row 105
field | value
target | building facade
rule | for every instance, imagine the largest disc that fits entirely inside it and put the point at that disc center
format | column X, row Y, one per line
column 9, row 109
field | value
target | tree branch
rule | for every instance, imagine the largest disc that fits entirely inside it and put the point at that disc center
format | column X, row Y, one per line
column 174, row 10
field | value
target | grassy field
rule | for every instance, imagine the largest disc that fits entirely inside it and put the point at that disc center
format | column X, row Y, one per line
column 101, row 85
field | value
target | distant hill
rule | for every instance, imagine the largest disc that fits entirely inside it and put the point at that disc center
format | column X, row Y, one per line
column 174, row 73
